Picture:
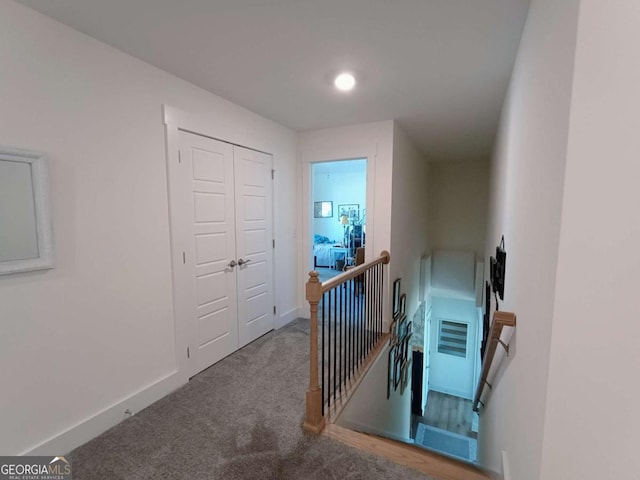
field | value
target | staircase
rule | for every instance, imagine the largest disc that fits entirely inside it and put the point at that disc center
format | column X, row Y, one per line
column 347, row 336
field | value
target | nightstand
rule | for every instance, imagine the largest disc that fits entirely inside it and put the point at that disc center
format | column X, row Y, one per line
column 338, row 253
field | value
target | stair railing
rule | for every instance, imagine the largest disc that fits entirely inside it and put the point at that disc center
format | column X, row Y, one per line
column 500, row 320
column 345, row 328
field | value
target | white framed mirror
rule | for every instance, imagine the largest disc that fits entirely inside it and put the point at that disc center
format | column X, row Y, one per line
column 26, row 237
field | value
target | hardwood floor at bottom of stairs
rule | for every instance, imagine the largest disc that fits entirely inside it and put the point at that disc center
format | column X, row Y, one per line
column 413, row 457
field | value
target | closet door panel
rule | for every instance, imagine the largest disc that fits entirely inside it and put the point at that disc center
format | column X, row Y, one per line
column 209, row 246
column 253, row 199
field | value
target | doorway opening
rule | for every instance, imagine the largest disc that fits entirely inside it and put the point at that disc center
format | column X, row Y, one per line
column 338, row 202
column 443, row 417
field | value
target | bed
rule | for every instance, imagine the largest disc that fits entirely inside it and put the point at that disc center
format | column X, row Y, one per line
column 322, row 251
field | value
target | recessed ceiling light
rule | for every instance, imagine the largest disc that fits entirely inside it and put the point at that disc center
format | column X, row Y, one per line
column 345, row 82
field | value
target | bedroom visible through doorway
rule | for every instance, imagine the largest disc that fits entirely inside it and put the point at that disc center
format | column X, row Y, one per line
column 339, row 191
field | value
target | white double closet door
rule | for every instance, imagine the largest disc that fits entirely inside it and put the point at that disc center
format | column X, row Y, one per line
column 223, row 201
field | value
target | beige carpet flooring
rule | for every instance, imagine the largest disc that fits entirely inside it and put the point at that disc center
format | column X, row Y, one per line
column 239, row 419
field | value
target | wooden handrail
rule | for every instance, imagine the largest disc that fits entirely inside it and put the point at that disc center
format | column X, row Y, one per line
column 500, row 320
column 344, row 277
column 314, row 420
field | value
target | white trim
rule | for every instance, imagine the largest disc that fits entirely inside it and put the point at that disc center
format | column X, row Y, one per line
column 490, row 473
column 425, row 277
column 216, row 129
column 286, row 318
column 332, row 154
column 181, row 332
column 475, row 422
column 506, row 471
column 426, row 359
column 176, row 120
column 477, row 343
column 479, row 280
column 93, row 426
column 278, row 321
column 42, row 205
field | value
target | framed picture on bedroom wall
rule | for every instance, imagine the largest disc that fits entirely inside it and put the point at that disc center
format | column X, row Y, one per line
column 323, row 209
column 351, row 210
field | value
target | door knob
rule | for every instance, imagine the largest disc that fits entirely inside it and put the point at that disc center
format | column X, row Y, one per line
column 242, row 262
column 232, row 263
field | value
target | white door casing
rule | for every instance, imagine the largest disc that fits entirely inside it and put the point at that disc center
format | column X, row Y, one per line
column 221, row 213
column 427, row 356
column 253, row 193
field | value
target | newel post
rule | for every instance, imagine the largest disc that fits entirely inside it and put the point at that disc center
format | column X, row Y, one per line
column 314, row 421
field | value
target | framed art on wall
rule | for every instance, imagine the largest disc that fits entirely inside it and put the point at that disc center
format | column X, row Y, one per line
column 350, row 210
column 323, row 209
column 405, row 376
column 26, row 235
column 397, row 376
column 391, row 371
column 396, row 298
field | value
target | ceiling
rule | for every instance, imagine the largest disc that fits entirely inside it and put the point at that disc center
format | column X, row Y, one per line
column 440, row 67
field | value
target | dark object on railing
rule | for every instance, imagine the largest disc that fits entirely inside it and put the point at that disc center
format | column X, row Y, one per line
column 350, row 327
column 485, row 319
column 416, row 383
column 497, row 267
column 500, row 320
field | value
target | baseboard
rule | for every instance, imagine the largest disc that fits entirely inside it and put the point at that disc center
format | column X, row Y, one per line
column 506, row 472
column 492, row 475
column 303, row 312
column 286, row 318
column 91, row 427
column 475, row 422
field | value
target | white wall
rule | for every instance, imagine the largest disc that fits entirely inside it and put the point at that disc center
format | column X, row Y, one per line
column 408, row 216
column 369, row 410
column 98, row 329
column 592, row 422
column 458, row 202
column 525, row 205
column 340, row 186
column 408, row 233
column 453, row 274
